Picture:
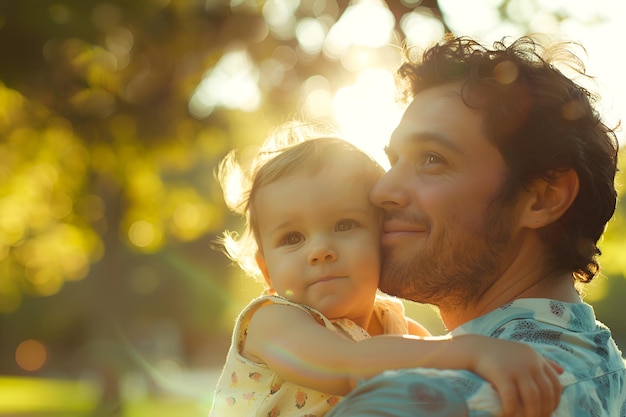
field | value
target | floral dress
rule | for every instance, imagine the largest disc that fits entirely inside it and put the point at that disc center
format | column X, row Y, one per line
column 247, row 389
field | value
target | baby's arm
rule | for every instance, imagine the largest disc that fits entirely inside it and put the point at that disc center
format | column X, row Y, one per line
column 291, row 343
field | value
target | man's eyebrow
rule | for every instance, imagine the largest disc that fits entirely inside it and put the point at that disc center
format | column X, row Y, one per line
column 416, row 140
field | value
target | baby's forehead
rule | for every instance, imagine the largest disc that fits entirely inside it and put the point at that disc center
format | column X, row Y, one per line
column 334, row 162
column 350, row 162
column 337, row 171
column 328, row 192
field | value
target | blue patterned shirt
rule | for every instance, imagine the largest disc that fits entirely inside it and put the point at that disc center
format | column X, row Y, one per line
column 593, row 378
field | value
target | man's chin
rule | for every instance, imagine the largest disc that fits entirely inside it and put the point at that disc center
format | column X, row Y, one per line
column 395, row 283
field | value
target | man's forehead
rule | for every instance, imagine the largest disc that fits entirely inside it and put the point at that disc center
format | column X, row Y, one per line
column 431, row 112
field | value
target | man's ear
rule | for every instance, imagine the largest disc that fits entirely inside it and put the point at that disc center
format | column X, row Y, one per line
column 549, row 199
column 260, row 261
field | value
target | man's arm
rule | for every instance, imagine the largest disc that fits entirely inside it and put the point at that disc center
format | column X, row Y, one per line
column 419, row 393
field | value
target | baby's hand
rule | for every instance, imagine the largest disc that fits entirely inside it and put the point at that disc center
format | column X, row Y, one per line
column 527, row 383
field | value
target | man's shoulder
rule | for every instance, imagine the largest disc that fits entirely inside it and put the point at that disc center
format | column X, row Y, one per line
column 531, row 314
column 567, row 333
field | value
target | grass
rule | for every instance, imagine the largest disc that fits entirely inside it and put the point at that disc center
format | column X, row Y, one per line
column 34, row 396
column 44, row 397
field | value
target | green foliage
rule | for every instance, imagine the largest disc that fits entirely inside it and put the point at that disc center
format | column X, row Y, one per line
column 613, row 241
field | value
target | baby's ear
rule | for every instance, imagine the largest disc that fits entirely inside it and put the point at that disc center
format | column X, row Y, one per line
column 550, row 199
column 260, row 261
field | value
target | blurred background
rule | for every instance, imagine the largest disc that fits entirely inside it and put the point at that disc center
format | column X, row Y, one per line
column 113, row 116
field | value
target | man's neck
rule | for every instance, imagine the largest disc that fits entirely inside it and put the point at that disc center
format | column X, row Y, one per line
column 562, row 290
column 526, row 276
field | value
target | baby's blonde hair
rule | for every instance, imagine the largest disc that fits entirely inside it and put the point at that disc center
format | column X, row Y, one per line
column 291, row 148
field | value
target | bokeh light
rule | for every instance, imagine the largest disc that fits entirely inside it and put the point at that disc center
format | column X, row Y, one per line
column 31, row 355
column 421, row 27
column 310, row 33
column 364, row 23
column 367, row 111
column 145, row 235
column 232, row 83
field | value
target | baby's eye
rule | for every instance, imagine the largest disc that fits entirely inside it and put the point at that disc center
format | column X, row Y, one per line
column 345, row 225
column 292, row 238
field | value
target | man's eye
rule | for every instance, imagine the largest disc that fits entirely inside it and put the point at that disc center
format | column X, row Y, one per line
column 345, row 225
column 292, row 239
column 432, row 158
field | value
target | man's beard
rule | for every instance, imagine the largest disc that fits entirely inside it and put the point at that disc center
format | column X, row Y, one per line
column 455, row 269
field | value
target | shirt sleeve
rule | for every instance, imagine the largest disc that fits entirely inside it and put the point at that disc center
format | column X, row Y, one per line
column 421, row 392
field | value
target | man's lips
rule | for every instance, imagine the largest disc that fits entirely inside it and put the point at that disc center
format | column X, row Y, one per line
column 393, row 229
column 395, row 226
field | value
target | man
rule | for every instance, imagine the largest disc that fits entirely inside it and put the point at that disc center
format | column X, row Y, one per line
column 501, row 183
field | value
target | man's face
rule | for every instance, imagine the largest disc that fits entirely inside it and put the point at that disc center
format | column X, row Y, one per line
column 445, row 238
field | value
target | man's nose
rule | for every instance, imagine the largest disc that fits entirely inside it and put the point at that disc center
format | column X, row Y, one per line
column 322, row 252
column 391, row 190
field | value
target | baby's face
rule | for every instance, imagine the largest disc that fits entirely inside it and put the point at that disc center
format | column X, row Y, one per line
column 320, row 241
